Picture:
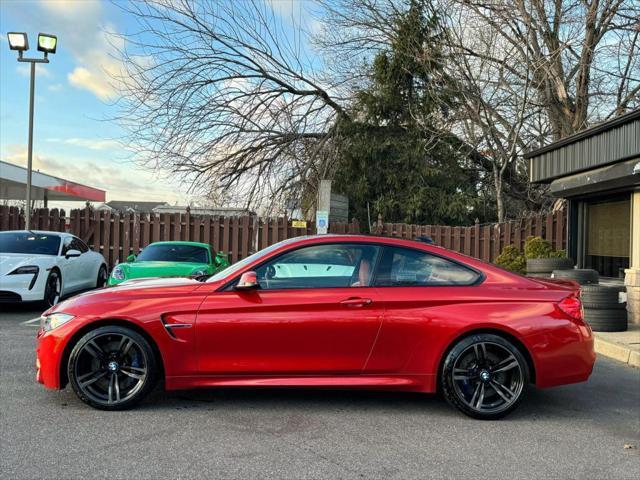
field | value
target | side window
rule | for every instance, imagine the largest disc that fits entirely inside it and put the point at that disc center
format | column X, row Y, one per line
column 79, row 245
column 407, row 267
column 74, row 243
column 320, row 266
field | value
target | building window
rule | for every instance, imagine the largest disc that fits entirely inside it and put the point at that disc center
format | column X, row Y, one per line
column 608, row 236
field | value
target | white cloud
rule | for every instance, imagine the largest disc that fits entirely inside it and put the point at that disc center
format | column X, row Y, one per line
column 120, row 181
column 73, row 7
column 92, row 144
column 85, row 33
column 95, row 82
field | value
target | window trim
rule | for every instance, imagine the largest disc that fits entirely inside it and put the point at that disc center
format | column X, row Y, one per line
column 83, row 244
column 480, row 276
column 228, row 286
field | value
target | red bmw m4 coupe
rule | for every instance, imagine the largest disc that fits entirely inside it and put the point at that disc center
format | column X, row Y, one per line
column 325, row 311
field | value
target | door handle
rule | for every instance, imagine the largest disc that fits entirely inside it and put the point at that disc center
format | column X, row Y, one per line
column 356, row 302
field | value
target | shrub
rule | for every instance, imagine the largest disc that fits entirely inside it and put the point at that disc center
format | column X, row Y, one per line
column 512, row 259
column 537, row 247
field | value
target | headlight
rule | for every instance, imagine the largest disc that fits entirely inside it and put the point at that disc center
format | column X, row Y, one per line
column 29, row 269
column 118, row 273
column 54, row 320
column 199, row 272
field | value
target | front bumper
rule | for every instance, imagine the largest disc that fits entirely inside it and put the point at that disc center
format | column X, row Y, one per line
column 22, row 288
column 50, row 348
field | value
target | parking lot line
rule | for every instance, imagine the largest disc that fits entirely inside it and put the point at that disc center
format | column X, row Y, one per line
column 29, row 322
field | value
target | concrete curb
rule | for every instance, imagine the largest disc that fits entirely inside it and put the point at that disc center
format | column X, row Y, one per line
column 617, row 351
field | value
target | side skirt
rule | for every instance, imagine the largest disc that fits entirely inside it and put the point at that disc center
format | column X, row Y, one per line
column 411, row 383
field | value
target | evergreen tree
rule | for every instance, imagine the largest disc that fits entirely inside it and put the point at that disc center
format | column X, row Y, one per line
column 393, row 154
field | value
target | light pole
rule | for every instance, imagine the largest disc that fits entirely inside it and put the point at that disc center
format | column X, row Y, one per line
column 47, row 44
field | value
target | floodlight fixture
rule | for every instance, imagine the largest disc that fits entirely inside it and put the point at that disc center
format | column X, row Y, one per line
column 47, row 43
column 18, row 41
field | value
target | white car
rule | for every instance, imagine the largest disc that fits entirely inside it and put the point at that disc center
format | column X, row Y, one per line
column 45, row 266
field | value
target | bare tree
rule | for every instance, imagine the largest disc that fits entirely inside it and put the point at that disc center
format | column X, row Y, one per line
column 222, row 96
column 531, row 71
column 225, row 96
column 528, row 71
column 582, row 56
column 495, row 109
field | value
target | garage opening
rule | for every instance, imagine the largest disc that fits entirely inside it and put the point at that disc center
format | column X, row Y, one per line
column 608, row 236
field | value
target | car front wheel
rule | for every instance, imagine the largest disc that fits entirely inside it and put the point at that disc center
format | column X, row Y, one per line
column 485, row 376
column 52, row 289
column 112, row 368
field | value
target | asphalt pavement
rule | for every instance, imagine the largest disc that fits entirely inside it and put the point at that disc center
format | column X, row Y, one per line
column 577, row 431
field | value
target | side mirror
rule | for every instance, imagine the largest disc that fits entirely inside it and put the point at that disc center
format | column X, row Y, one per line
column 248, row 281
column 131, row 258
column 72, row 253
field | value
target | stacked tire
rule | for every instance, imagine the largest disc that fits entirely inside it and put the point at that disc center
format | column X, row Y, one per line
column 544, row 267
column 603, row 310
column 584, row 276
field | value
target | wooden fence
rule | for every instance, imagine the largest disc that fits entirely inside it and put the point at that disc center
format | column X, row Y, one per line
column 117, row 235
column 485, row 241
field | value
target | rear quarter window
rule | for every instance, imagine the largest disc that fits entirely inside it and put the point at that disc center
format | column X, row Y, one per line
column 408, row 267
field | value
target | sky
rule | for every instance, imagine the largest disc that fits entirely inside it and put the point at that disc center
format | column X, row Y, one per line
column 73, row 136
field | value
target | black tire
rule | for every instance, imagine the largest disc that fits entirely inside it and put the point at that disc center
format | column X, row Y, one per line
column 583, row 276
column 52, row 289
column 539, row 275
column 601, row 297
column 611, row 320
column 497, row 373
column 548, row 265
column 101, row 281
column 105, row 354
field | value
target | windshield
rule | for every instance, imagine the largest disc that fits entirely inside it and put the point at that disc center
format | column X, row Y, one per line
column 174, row 253
column 29, row 243
column 227, row 272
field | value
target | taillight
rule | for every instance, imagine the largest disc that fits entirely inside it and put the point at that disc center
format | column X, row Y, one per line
column 572, row 306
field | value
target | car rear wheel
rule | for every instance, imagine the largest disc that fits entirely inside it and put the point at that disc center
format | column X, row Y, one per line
column 52, row 289
column 485, row 376
column 112, row 368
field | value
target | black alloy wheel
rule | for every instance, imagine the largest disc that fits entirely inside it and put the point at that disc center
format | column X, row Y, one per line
column 52, row 289
column 112, row 368
column 485, row 376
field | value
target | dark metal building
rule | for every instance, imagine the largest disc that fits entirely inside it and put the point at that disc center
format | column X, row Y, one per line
column 598, row 172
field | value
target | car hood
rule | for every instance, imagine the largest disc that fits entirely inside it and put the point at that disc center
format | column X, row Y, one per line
column 11, row 261
column 123, row 295
column 160, row 269
column 157, row 282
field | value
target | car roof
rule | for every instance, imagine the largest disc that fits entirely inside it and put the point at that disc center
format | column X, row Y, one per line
column 333, row 237
column 181, row 242
column 40, row 232
column 382, row 240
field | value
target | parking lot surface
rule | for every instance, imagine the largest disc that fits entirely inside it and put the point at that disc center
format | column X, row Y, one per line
column 578, row 431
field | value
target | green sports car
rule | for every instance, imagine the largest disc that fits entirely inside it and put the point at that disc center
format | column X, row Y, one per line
column 170, row 259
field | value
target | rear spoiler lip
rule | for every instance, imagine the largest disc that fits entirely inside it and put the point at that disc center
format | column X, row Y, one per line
column 570, row 285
